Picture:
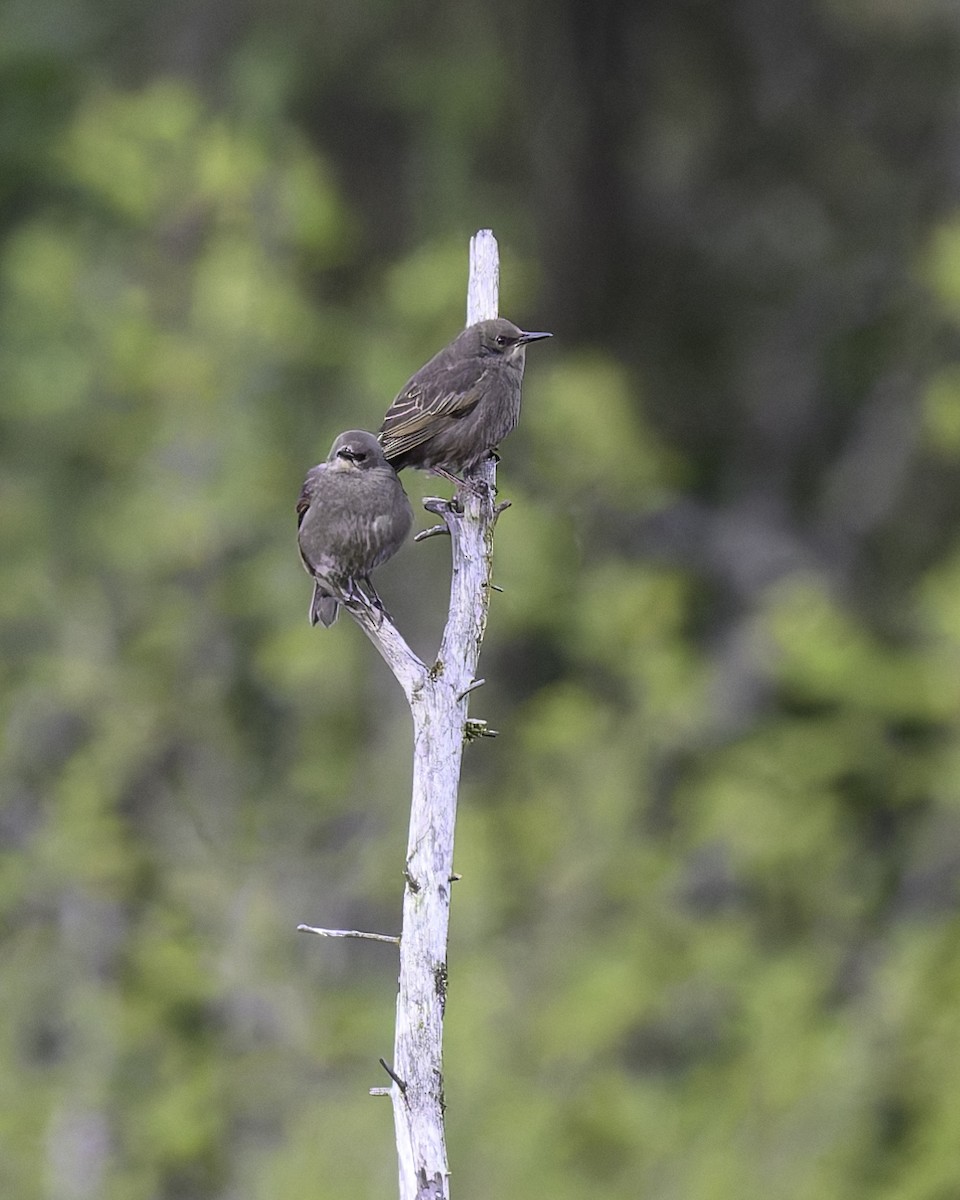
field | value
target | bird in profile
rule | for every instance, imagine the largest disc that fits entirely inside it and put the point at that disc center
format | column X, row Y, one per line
column 353, row 515
column 459, row 406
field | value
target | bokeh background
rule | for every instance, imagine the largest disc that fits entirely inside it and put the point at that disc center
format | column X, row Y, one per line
column 707, row 942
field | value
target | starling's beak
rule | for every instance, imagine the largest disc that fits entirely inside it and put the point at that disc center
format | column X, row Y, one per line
column 531, row 337
column 347, row 453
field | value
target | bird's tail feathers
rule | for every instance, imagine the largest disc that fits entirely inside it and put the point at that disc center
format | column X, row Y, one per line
column 323, row 607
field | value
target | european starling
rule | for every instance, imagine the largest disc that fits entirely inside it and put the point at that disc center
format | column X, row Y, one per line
column 461, row 404
column 353, row 514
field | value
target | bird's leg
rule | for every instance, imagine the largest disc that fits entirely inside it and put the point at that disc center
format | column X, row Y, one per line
column 367, row 597
column 480, row 487
column 375, row 601
column 467, row 484
column 458, row 483
column 350, row 593
column 448, row 475
column 353, row 596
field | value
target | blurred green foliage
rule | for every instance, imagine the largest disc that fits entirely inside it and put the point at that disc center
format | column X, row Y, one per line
column 707, row 940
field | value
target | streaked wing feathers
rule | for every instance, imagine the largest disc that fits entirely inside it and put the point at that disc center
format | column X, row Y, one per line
column 413, row 417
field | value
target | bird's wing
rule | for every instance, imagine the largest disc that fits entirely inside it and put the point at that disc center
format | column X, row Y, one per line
column 412, row 418
column 307, row 492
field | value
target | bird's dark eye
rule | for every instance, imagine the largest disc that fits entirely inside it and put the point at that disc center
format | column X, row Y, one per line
column 502, row 339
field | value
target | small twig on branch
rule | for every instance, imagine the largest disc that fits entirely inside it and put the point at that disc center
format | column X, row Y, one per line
column 475, row 728
column 349, row 933
column 393, row 1075
column 441, row 506
column 433, row 531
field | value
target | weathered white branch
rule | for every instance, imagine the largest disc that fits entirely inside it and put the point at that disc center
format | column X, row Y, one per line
column 483, row 288
column 410, row 672
column 438, row 696
column 438, row 699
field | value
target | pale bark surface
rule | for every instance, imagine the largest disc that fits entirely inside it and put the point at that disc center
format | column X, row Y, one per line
column 438, row 695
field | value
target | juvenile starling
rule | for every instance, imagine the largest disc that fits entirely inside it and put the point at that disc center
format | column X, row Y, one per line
column 461, row 404
column 353, row 514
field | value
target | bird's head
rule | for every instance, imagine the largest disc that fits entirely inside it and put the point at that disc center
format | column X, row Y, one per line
column 502, row 338
column 356, row 450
